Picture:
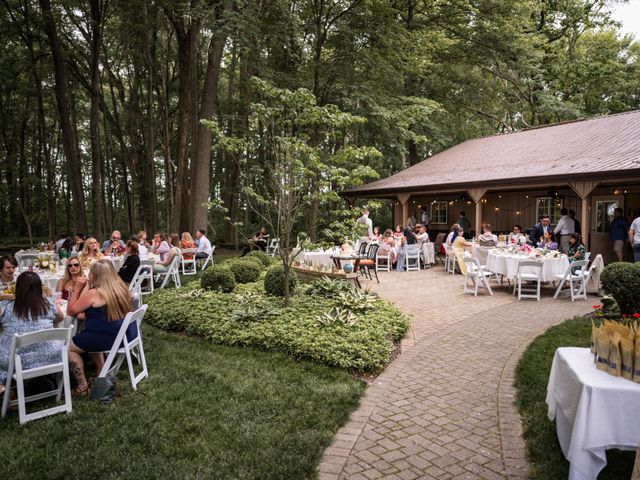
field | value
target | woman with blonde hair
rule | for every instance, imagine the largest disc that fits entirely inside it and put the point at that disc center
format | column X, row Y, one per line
column 73, row 271
column 90, row 253
column 186, row 241
column 106, row 300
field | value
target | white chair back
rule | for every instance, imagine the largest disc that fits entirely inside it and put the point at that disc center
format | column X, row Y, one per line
column 274, row 247
column 209, row 258
column 172, row 272
column 476, row 276
column 16, row 372
column 412, row 257
column 188, row 265
column 528, row 271
column 577, row 276
column 143, row 279
column 383, row 260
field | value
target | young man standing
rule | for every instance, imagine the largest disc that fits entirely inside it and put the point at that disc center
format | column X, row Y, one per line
column 618, row 232
column 634, row 239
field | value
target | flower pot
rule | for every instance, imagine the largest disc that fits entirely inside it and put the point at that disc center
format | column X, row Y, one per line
column 347, row 267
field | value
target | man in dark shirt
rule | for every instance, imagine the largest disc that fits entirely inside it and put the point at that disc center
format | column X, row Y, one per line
column 618, row 231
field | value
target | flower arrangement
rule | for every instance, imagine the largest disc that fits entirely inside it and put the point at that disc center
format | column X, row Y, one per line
column 525, row 248
column 120, row 249
column 43, row 262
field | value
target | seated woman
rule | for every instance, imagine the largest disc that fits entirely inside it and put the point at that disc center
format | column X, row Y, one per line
column 487, row 238
column 186, row 241
column 66, row 249
column 131, row 262
column 452, row 233
column 388, row 246
column 577, row 250
column 80, row 241
column 69, row 281
column 106, row 300
column 30, row 311
column 376, row 234
column 459, row 244
column 160, row 246
column 546, row 241
column 163, row 265
column 90, row 253
column 397, row 233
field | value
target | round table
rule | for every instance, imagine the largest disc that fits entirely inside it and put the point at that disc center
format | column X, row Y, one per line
column 506, row 264
column 318, row 258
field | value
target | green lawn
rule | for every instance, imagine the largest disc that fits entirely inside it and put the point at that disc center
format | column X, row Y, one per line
column 205, row 412
column 532, row 375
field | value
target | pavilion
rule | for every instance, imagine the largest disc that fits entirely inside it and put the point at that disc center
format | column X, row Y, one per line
column 590, row 166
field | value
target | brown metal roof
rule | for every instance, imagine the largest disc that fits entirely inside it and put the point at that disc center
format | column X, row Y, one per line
column 592, row 148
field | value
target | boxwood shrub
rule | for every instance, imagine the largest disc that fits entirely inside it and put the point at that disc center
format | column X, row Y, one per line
column 621, row 280
column 245, row 271
column 255, row 260
column 362, row 347
column 274, row 281
column 260, row 255
column 219, row 278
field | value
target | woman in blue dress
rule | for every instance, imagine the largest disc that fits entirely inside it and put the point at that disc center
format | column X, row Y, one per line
column 29, row 312
column 105, row 300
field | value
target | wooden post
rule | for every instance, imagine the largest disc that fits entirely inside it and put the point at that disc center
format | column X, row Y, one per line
column 584, row 189
column 403, row 198
column 476, row 194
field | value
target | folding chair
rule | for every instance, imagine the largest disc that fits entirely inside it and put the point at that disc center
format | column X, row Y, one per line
column 143, row 278
column 450, row 259
column 124, row 348
column 18, row 374
column 577, row 275
column 274, row 247
column 478, row 276
column 437, row 244
column 209, row 258
column 188, row 262
column 525, row 274
column 412, row 257
column 383, row 261
column 172, row 273
column 26, row 260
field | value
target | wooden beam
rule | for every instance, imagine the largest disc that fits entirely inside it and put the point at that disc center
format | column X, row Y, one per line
column 584, row 188
column 478, row 217
column 585, row 219
column 476, row 194
column 403, row 198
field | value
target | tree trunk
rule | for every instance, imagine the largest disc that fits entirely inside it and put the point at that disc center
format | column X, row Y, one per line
column 63, row 102
column 230, row 190
column 151, row 219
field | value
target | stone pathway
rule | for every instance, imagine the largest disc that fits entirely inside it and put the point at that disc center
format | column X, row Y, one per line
column 444, row 408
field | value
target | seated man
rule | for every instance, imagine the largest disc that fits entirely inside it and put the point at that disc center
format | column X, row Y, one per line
column 258, row 241
column 204, row 245
column 109, row 246
column 517, row 237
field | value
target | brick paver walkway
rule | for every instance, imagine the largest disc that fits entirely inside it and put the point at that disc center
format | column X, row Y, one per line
column 444, row 408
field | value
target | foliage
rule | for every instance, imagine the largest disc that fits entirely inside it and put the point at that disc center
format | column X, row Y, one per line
column 274, row 281
column 364, row 346
column 532, row 377
column 621, row 280
column 337, row 315
column 346, row 295
column 260, row 255
column 205, row 411
column 245, row 271
column 219, row 278
column 328, row 288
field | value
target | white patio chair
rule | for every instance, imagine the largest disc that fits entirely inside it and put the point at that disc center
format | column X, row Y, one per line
column 450, row 259
column 172, row 273
column 412, row 257
column 18, row 374
column 274, row 247
column 26, row 260
column 188, row 265
column 525, row 274
column 428, row 255
column 477, row 275
column 143, row 279
column 383, row 261
column 126, row 348
column 577, row 275
column 208, row 259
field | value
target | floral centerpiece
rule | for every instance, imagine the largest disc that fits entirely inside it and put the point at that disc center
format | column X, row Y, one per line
column 43, row 262
column 525, row 248
column 119, row 250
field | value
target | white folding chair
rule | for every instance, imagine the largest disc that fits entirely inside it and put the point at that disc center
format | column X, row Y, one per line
column 18, row 374
column 383, row 261
column 477, row 275
column 274, row 247
column 126, row 348
column 450, row 259
column 143, row 279
column 188, row 265
column 209, row 258
column 412, row 257
column 577, row 275
column 26, row 260
column 172, row 273
column 528, row 271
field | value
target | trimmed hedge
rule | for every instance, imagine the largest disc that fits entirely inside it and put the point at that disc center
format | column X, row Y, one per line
column 255, row 260
column 621, row 280
column 362, row 347
column 274, row 281
column 219, row 278
column 245, row 271
column 260, row 255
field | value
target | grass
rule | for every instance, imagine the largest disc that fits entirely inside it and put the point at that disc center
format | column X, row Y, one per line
column 204, row 412
column 532, row 375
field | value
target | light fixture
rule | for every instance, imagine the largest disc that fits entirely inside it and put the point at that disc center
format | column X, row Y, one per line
column 616, row 192
column 517, row 212
column 497, row 209
column 625, row 192
column 526, row 196
column 499, row 196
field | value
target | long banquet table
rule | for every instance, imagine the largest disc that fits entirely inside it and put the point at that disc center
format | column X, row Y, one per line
column 506, row 264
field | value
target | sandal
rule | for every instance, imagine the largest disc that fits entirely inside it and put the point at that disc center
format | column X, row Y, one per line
column 80, row 393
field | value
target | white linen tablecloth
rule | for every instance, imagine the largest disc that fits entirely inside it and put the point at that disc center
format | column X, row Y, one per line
column 507, row 265
column 594, row 411
column 319, row 258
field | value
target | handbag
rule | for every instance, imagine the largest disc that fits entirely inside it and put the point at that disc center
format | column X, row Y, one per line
column 103, row 389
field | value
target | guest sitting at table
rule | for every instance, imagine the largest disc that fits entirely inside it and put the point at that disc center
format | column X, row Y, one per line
column 8, row 265
column 29, row 312
column 422, row 235
column 453, row 232
column 388, row 246
column 163, row 265
column 68, row 282
column 459, row 244
column 80, row 241
column 106, row 300
column 547, row 242
column 110, row 246
column 159, row 246
column 142, row 239
column 517, row 237
column 375, row 236
column 397, row 233
column 186, row 241
column 90, row 253
column 487, row 238
column 577, row 250
column 66, row 249
column 258, row 241
column 131, row 262
column 204, row 245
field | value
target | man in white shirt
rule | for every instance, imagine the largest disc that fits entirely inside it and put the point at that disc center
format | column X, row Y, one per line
column 204, row 245
column 564, row 229
column 634, row 239
column 365, row 227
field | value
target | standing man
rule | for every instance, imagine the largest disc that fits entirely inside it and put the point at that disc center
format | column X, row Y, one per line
column 634, row 238
column 576, row 223
column 618, row 232
column 365, row 227
column 564, row 229
column 424, row 217
column 204, row 245
column 465, row 224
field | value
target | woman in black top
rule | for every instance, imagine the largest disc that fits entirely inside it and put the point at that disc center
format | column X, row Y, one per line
column 131, row 263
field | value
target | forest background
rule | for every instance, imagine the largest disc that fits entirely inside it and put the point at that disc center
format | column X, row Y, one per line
column 101, row 101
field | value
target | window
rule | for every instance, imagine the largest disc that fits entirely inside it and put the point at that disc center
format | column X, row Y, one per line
column 604, row 214
column 550, row 206
column 439, row 212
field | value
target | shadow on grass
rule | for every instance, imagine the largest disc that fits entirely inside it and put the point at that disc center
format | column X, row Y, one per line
column 205, row 412
column 532, row 376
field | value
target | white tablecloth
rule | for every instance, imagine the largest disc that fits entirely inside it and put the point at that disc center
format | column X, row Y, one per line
column 507, row 265
column 428, row 253
column 594, row 411
column 318, row 258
